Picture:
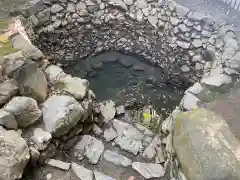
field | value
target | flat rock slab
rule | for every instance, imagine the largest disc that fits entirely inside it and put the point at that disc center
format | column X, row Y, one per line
column 148, row 170
column 81, row 172
column 130, row 145
column 90, row 147
column 101, row 176
column 116, row 158
column 58, row 164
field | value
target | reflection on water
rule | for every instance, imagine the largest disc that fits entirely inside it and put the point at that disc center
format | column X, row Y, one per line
column 125, row 78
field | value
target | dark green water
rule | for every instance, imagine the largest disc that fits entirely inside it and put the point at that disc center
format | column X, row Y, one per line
column 118, row 77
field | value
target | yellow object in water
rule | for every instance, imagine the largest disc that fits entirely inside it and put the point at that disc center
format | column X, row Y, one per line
column 146, row 116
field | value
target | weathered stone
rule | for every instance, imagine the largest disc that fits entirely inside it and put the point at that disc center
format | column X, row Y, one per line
column 190, row 101
column 7, row 90
column 76, row 86
column 153, row 20
column 151, row 150
column 31, row 81
column 100, row 176
column 183, row 44
column 43, row 16
column 7, row 120
column 56, row 8
column 14, row 155
column 61, row 113
column 90, row 147
column 54, row 73
column 109, row 134
column 58, row 164
column 127, row 130
column 41, row 138
column 130, row 145
column 200, row 135
column 120, row 110
column 71, row 7
column 144, row 130
column 195, row 89
column 149, row 170
column 24, row 109
column 108, row 110
column 118, row 3
column 141, row 4
column 217, row 80
column 81, row 172
column 97, row 130
column 116, row 158
column 197, row 43
column 23, row 43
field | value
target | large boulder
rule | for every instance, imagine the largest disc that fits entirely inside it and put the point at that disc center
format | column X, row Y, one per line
column 32, row 81
column 24, row 109
column 14, row 155
column 54, row 73
column 206, row 147
column 61, row 113
column 7, row 90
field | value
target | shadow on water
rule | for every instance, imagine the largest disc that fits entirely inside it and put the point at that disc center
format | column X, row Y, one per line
column 125, row 78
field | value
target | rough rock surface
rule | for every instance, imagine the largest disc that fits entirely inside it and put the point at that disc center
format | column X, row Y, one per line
column 41, row 138
column 200, row 135
column 90, row 147
column 7, row 120
column 130, row 145
column 54, row 73
column 14, row 155
column 108, row 110
column 24, row 109
column 7, row 90
column 31, row 81
column 101, row 176
column 116, row 158
column 149, row 170
column 61, row 113
column 81, row 172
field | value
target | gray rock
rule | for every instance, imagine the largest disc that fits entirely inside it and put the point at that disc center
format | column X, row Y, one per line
column 144, row 130
column 151, row 150
column 153, row 20
column 174, row 21
column 100, row 176
column 54, row 73
column 7, row 90
column 32, row 82
column 7, row 120
column 35, row 154
column 190, row 101
column 217, row 80
column 141, row 4
column 58, row 164
column 43, row 16
column 56, row 8
column 60, row 114
column 139, row 16
column 81, row 172
column 116, row 158
column 234, row 62
column 108, row 110
column 22, row 42
column 90, row 147
column 76, row 86
column 71, row 7
column 127, row 130
column 148, row 170
column 129, row 2
column 14, row 155
column 197, row 88
column 183, row 28
column 24, row 109
column 97, row 130
column 185, row 68
column 181, row 10
column 118, row 3
column 130, row 145
column 120, row 110
column 200, row 135
column 197, row 43
column 109, row 134
column 183, row 44
column 41, row 138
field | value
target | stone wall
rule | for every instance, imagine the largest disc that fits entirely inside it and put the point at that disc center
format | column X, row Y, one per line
column 163, row 32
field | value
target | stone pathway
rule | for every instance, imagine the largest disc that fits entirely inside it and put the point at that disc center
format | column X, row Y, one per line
column 121, row 149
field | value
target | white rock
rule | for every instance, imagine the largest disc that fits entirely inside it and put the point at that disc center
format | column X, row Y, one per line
column 139, row 15
column 108, row 110
column 190, row 101
column 120, row 110
column 116, row 158
column 49, row 176
column 119, row 3
column 76, row 86
column 183, row 44
column 61, row 113
column 144, row 130
column 24, row 109
column 127, row 130
column 71, row 7
column 100, row 176
column 41, row 138
column 109, row 134
column 185, row 68
column 151, row 150
column 149, row 170
column 217, row 80
column 195, row 89
column 129, row 145
column 97, row 130
column 128, row 2
column 81, row 172
column 141, row 4
column 91, row 148
column 56, row 8
column 153, row 20
column 167, row 125
column 145, row 12
column 58, row 164
column 7, row 120
column 197, row 43
column 54, row 73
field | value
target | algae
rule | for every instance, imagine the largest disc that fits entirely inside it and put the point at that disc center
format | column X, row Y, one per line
column 7, row 48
